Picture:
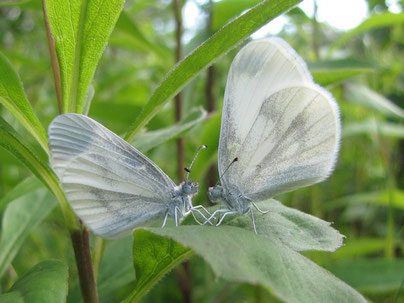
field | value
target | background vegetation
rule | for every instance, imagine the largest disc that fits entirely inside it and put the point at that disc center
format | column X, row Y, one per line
column 130, row 94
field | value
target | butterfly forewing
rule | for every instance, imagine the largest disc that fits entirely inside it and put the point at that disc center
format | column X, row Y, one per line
column 110, row 185
column 283, row 128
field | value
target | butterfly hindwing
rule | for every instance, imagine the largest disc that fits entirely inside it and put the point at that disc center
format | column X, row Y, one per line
column 110, row 185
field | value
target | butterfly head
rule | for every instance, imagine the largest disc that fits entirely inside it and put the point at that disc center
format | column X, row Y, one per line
column 215, row 193
column 188, row 187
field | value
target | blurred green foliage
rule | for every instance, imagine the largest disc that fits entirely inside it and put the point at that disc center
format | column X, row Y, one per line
column 363, row 68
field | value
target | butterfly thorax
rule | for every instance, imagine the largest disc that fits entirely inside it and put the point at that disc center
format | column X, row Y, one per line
column 181, row 200
column 232, row 198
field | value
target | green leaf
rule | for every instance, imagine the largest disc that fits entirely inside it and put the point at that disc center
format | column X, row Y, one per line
column 147, row 141
column 373, row 22
column 360, row 247
column 372, row 275
column 365, row 96
column 81, row 29
column 295, row 229
column 225, row 10
column 334, row 71
column 19, row 218
column 46, row 282
column 382, row 198
column 13, row 2
column 10, row 141
column 153, row 257
column 12, row 96
column 12, row 297
column 24, row 187
column 236, row 254
column 373, row 127
column 128, row 26
column 224, row 40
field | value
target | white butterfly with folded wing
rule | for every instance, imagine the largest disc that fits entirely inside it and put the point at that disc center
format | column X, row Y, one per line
column 111, row 186
column 280, row 131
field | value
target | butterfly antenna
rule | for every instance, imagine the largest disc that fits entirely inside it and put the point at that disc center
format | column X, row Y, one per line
column 188, row 169
column 221, row 176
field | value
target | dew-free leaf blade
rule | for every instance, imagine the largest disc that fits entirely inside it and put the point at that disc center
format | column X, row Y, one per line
column 148, row 140
column 373, row 275
column 153, row 257
column 373, row 127
column 236, row 254
column 295, row 229
column 12, row 96
column 224, row 40
column 365, row 96
column 10, row 141
column 46, row 282
column 81, row 29
column 373, row 22
column 334, row 71
column 19, row 218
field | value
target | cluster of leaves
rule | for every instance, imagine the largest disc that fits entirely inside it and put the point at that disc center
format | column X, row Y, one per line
column 363, row 192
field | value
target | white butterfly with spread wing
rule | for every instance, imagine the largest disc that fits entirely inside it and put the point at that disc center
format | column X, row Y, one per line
column 111, row 186
column 280, row 131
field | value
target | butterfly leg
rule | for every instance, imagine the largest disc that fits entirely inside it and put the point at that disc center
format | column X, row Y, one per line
column 257, row 208
column 224, row 216
column 165, row 220
column 196, row 208
column 176, row 209
column 253, row 220
column 214, row 213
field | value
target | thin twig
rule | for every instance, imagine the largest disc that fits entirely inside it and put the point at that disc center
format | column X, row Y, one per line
column 54, row 59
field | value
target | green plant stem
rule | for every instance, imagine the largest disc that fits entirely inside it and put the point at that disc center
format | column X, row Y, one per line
column 54, row 59
column 98, row 253
column 81, row 246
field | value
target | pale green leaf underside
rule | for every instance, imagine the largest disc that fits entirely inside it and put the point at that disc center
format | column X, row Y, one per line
column 295, row 229
column 12, row 96
column 80, row 42
column 220, row 43
column 236, row 254
column 46, row 282
column 19, row 218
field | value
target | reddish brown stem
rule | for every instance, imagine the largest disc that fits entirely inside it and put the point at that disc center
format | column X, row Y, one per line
column 82, row 253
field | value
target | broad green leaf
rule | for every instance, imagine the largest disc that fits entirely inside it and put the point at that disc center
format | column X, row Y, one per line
column 367, row 97
column 19, row 218
column 382, row 198
column 373, row 22
column 360, row 247
column 12, row 297
column 372, row 275
column 147, row 141
column 24, row 187
column 81, row 29
column 330, row 72
column 295, row 229
column 220, row 43
column 371, row 127
column 153, row 257
column 238, row 255
column 10, row 141
column 12, row 96
column 224, row 10
column 46, row 282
